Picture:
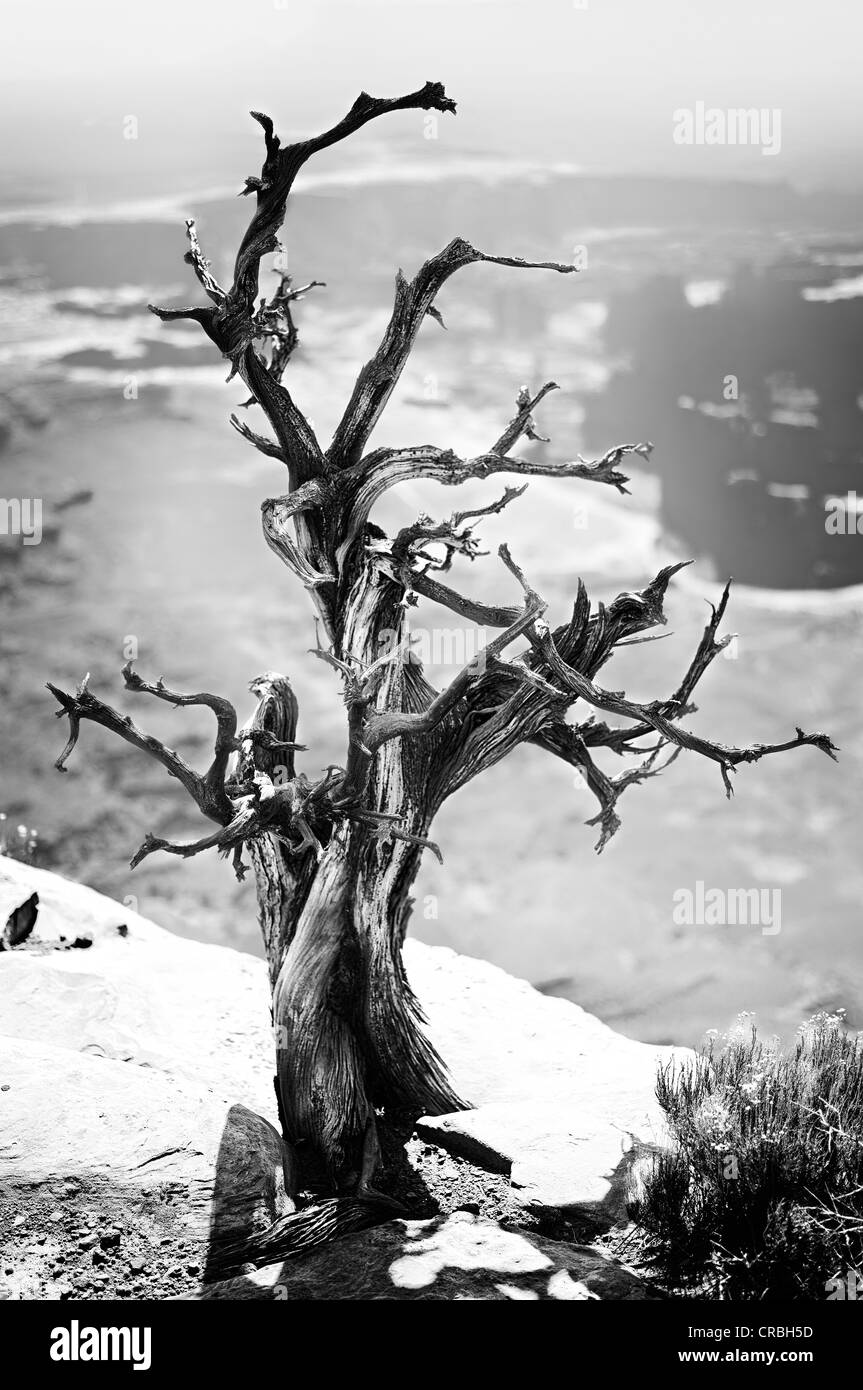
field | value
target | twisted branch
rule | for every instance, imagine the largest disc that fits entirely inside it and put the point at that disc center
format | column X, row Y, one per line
column 652, row 715
column 218, row 803
column 413, row 300
column 84, row 705
column 385, row 468
column 566, row 742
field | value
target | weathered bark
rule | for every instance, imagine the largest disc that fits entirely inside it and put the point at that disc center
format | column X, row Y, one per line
column 335, row 858
column 348, row 1029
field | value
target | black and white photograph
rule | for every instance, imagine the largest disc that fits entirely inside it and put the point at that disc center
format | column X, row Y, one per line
column 431, row 599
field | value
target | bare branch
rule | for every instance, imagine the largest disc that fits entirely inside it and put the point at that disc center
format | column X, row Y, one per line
column 264, row 445
column 274, row 320
column 207, row 791
column 498, row 718
column 218, row 803
column 281, row 167
column 587, row 641
column 502, row 709
column 485, row 614
column 728, row 758
column 407, row 549
column 513, row 701
column 242, row 827
column 388, row 827
column 678, row 704
column 197, row 313
column 233, row 324
column 201, row 266
column 382, row 725
column 297, row 440
column 413, row 300
column 206, row 317
column 708, row 648
column 523, row 423
column 566, row 742
column 84, row 705
column 385, row 468
column 278, row 514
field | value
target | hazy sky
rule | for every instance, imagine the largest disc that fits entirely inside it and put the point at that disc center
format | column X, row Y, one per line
column 541, row 79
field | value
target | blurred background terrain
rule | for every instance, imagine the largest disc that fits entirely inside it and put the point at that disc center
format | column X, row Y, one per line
column 718, row 312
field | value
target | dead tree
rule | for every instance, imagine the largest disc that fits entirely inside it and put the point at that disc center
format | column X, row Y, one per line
column 335, row 855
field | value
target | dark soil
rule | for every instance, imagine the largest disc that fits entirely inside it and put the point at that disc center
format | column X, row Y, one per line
column 61, row 1241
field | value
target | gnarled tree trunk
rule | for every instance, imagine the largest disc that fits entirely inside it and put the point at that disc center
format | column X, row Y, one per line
column 348, row 1029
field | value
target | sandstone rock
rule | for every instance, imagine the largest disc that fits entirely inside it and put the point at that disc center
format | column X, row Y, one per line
column 195, row 1011
column 456, row 1257
column 561, row 1101
column 149, row 1152
column 576, row 1167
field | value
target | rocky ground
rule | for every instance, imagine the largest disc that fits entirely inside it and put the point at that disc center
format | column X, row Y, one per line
column 138, row 1124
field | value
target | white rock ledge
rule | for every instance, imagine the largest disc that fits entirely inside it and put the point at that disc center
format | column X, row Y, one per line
column 562, row 1102
column 132, row 1068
